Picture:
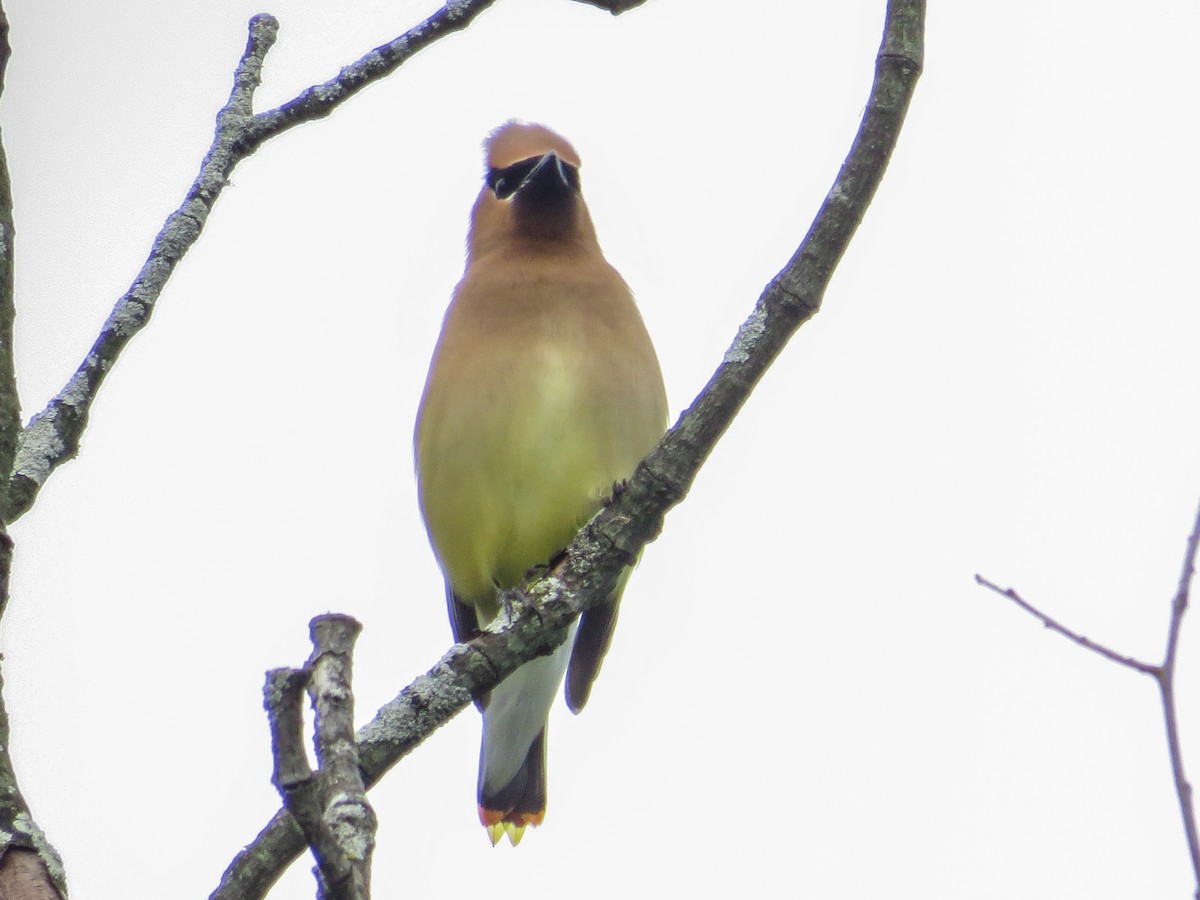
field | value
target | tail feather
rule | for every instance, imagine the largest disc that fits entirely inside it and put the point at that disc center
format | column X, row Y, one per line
column 519, row 803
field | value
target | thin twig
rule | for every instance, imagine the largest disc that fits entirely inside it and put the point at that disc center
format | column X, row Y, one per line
column 1128, row 661
column 1166, row 685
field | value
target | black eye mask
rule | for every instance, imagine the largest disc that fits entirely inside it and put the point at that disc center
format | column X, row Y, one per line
column 505, row 182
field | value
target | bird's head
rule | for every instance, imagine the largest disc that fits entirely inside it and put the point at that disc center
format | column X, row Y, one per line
column 531, row 196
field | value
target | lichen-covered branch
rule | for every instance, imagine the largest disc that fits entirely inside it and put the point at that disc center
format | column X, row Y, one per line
column 283, row 699
column 538, row 626
column 329, row 806
column 10, row 403
column 52, row 435
column 29, row 867
column 347, row 817
column 548, row 603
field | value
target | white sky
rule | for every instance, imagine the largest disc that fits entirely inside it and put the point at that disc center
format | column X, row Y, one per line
column 807, row 696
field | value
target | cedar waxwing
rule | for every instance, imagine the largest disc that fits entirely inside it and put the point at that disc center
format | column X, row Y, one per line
column 544, row 391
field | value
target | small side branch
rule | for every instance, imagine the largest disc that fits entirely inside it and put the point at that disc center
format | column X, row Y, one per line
column 330, row 805
column 1128, row 661
column 1163, row 675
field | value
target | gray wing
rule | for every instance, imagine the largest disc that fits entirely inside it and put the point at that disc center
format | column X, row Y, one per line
column 595, row 633
column 465, row 625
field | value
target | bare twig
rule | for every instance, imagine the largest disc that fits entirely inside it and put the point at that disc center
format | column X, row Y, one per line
column 1128, row 661
column 1163, row 675
column 330, row 805
column 1166, row 687
column 614, row 537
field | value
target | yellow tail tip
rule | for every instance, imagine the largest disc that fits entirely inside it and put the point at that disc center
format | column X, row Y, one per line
column 497, row 824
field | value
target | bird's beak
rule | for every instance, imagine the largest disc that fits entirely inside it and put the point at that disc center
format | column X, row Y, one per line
column 548, row 169
column 549, row 181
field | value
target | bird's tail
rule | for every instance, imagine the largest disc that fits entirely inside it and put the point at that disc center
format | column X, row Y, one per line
column 519, row 803
column 512, row 760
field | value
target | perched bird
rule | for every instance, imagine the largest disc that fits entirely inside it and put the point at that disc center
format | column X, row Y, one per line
column 544, row 391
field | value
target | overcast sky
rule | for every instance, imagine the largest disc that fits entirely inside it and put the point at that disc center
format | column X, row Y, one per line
column 807, row 696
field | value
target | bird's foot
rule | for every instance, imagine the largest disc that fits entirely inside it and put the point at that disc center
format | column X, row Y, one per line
column 618, row 489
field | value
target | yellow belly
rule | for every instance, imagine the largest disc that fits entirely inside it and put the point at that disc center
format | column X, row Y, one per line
column 505, row 485
column 544, row 390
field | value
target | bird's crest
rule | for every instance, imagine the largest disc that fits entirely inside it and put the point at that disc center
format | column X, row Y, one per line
column 515, row 141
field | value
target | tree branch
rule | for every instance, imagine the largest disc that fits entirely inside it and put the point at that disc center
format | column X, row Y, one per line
column 1166, row 687
column 29, row 866
column 1163, row 675
column 52, row 436
column 23, row 876
column 1128, row 662
column 283, row 699
column 548, row 603
column 10, row 403
column 330, row 805
column 347, row 815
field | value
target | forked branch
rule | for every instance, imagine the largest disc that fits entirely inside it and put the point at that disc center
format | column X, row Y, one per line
column 1163, row 674
column 330, row 804
column 52, row 435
